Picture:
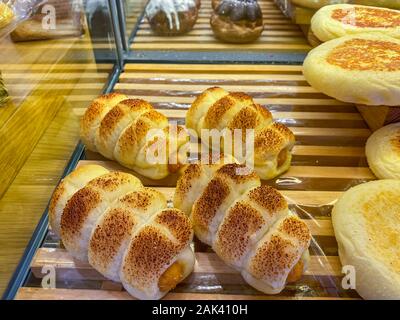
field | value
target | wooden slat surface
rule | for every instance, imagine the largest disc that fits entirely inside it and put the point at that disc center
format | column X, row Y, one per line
column 280, row 34
column 328, row 158
column 81, row 294
column 69, row 269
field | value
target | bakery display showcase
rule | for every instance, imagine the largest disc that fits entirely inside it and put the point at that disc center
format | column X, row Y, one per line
column 143, row 210
column 327, row 159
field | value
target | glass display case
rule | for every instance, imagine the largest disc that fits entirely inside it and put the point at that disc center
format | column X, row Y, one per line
column 109, row 46
column 47, row 75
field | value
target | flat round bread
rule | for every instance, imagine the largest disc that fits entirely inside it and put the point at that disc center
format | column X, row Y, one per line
column 362, row 69
column 316, row 4
column 366, row 220
column 339, row 20
column 394, row 4
column 383, row 152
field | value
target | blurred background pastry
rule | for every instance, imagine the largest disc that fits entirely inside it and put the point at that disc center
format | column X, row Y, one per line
column 383, row 152
column 68, row 22
column 363, row 69
column 237, row 21
column 215, row 3
column 339, row 20
column 172, row 17
column 366, row 221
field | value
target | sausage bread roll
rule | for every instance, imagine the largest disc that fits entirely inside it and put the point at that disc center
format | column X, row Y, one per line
column 247, row 224
column 218, row 109
column 124, row 230
column 126, row 130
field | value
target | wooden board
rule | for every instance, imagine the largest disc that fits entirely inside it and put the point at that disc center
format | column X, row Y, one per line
column 280, row 34
column 378, row 116
column 328, row 159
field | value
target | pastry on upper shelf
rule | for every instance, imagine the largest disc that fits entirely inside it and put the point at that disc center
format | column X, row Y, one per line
column 218, row 109
column 237, row 21
column 248, row 225
column 366, row 222
column 363, row 69
column 172, row 17
column 125, row 231
column 6, row 15
column 383, row 152
column 339, row 20
column 69, row 23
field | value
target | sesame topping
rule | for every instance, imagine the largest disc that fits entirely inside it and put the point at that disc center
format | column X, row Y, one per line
column 246, row 118
column 150, row 252
column 178, row 224
column 205, row 208
column 365, row 17
column 296, row 228
column 77, row 209
column 111, row 181
column 273, row 258
column 230, row 171
column 116, row 226
column 268, row 198
column 233, row 238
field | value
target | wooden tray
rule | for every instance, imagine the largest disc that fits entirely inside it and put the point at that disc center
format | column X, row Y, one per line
column 280, row 34
column 328, row 159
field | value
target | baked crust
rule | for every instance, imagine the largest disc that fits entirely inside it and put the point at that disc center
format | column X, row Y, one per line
column 243, row 31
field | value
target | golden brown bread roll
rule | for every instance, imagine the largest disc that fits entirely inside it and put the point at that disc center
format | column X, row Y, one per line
column 249, row 226
column 121, row 129
column 124, row 230
column 218, row 109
